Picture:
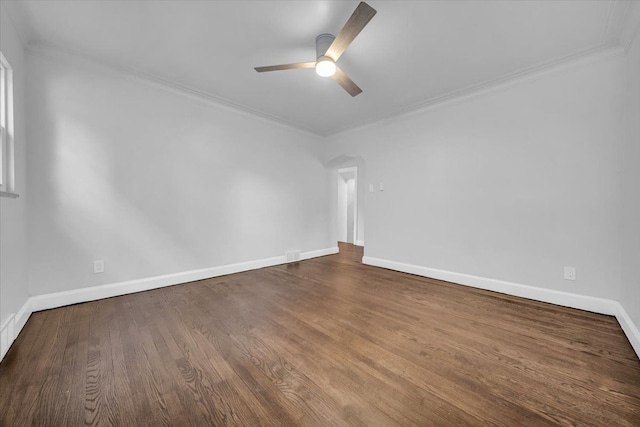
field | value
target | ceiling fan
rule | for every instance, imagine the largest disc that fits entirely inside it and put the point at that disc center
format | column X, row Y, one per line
column 329, row 48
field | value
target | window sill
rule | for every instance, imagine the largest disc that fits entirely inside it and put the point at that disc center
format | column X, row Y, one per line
column 9, row 194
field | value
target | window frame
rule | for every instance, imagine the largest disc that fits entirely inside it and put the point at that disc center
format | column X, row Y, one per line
column 7, row 175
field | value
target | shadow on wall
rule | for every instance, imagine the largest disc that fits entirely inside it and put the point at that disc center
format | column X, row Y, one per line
column 341, row 162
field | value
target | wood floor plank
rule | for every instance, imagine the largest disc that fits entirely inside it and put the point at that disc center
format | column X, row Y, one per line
column 327, row 341
column 338, row 374
column 266, row 363
column 477, row 402
column 43, row 404
column 23, row 355
column 70, row 389
column 283, row 365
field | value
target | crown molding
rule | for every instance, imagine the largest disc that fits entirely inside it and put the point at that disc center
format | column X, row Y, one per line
column 621, row 26
column 18, row 21
column 59, row 53
column 631, row 26
column 615, row 21
column 607, row 23
column 531, row 73
column 55, row 52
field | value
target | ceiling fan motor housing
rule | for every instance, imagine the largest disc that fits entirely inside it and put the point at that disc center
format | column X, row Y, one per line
column 323, row 41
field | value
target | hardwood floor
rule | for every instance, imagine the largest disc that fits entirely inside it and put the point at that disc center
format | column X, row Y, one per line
column 324, row 342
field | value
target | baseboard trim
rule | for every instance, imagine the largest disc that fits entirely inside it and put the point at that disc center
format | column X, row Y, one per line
column 14, row 324
column 359, row 242
column 22, row 316
column 7, row 335
column 75, row 296
column 629, row 328
column 319, row 253
column 566, row 299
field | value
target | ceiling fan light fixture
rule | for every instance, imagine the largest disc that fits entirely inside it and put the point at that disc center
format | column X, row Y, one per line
column 329, row 48
column 325, row 66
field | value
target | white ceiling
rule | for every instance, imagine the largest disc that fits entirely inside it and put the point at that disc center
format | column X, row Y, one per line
column 410, row 53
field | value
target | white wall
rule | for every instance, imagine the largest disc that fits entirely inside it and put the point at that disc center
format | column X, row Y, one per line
column 351, row 207
column 630, row 297
column 342, row 209
column 512, row 184
column 154, row 183
column 13, row 216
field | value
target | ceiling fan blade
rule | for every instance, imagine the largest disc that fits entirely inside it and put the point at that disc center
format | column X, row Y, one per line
column 346, row 83
column 286, row 67
column 358, row 20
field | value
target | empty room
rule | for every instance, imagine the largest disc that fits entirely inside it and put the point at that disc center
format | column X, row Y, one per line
column 320, row 213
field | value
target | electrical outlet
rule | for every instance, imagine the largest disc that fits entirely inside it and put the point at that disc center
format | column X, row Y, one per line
column 371, row 189
column 569, row 273
column 98, row 266
column 292, row 256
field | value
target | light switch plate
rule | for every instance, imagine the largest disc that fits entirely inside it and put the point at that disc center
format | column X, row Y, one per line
column 98, row 266
column 569, row 273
